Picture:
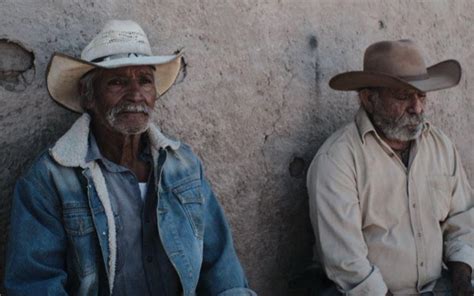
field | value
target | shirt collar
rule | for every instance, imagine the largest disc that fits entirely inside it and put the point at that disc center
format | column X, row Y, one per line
column 365, row 125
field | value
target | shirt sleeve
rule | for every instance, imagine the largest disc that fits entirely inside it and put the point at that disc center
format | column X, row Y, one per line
column 337, row 222
column 458, row 228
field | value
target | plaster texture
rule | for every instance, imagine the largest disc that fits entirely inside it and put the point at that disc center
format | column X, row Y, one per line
column 252, row 100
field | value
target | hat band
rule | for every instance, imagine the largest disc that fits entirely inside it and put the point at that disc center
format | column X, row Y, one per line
column 117, row 56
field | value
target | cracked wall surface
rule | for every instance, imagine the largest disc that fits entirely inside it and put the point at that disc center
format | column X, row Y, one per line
column 253, row 102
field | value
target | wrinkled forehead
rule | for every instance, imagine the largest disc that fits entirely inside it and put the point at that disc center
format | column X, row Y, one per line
column 128, row 71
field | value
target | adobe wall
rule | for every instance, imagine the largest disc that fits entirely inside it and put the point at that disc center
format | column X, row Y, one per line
column 253, row 98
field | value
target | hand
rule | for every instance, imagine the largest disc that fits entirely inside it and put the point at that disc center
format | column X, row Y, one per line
column 460, row 278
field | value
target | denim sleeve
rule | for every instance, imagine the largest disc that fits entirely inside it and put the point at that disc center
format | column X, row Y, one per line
column 221, row 272
column 35, row 262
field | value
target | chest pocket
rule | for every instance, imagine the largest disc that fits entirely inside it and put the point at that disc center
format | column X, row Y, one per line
column 190, row 198
column 83, row 244
column 440, row 189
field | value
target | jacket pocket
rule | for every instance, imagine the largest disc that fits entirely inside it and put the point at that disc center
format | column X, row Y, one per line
column 83, row 242
column 440, row 189
column 189, row 196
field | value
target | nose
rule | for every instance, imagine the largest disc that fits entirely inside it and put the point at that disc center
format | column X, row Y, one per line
column 417, row 104
column 134, row 91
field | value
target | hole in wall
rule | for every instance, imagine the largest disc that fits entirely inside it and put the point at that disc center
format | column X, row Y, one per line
column 297, row 167
column 382, row 25
column 16, row 66
column 313, row 42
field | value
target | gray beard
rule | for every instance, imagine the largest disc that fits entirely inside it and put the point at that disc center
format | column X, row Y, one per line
column 397, row 129
column 124, row 127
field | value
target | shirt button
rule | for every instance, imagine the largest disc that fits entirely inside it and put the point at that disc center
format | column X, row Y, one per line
column 414, row 205
column 421, row 263
column 420, row 234
column 103, row 233
column 149, row 259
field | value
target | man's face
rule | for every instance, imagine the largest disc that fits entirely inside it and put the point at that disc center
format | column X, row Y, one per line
column 398, row 113
column 124, row 99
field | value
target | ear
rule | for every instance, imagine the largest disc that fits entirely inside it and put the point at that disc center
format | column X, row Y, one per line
column 366, row 98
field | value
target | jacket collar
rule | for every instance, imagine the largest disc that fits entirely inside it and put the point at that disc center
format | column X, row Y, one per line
column 71, row 149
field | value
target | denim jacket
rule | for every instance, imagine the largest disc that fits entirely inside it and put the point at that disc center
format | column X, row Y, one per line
column 63, row 232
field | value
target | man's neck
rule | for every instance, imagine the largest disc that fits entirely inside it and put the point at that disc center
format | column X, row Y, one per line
column 401, row 148
column 396, row 145
column 121, row 149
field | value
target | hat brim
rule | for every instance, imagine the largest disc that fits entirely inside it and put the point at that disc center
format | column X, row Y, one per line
column 443, row 75
column 64, row 73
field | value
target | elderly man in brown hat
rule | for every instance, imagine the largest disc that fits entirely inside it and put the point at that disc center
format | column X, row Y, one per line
column 390, row 203
column 115, row 207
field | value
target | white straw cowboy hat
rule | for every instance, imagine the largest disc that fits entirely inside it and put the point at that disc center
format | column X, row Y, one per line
column 398, row 64
column 119, row 44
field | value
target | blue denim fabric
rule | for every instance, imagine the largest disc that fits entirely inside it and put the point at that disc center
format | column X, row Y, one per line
column 58, row 241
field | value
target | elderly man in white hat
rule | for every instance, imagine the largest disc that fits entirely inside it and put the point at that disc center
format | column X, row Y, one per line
column 116, row 207
column 390, row 204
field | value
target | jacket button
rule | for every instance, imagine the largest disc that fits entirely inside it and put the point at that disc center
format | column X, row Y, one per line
column 149, row 259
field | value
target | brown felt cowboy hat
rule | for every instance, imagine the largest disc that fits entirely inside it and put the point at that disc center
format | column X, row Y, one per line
column 119, row 44
column 398, row 64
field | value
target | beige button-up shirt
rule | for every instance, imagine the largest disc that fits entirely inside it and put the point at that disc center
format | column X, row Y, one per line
column 380, row 225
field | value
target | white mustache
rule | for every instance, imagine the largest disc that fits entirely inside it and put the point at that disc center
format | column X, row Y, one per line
column 129, row 108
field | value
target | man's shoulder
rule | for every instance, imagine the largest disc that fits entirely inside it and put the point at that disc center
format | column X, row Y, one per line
column 336, row 157
column 185, row 152
column 45, row 169
column 182, row 162
column 44, row 174
column 41, row 165
column 438, row 146
column 341, row 142
column 436, row 135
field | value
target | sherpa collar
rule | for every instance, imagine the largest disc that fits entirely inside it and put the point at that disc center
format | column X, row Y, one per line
column 71, row 149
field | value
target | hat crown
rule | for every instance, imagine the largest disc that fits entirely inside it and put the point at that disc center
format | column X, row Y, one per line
column 398, row 58
column 117, row 37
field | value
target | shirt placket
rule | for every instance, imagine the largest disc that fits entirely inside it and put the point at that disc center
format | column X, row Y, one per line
column 415, row 217
column 414, row 209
